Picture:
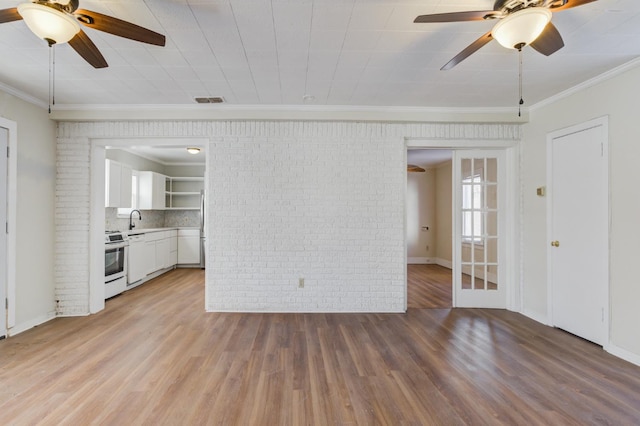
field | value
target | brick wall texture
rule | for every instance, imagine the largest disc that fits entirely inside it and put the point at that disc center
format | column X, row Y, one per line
column 318, row 201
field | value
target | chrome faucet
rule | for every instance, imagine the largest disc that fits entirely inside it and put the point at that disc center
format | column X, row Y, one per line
column 131, row 224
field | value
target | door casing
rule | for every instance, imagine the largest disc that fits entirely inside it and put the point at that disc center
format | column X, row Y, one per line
column 598, row 122
column 512, row 257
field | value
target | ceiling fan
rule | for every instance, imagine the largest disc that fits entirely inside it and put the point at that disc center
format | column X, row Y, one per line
column 58, row 21
column 520, row 23
column 412, row 168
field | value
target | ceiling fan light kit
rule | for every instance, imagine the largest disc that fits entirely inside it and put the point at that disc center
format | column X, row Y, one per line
column 521, row 28
column 49, row 23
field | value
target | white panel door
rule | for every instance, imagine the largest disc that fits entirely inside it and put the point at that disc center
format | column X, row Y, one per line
column 479, row 241
column 578, row 250
column 4, row 142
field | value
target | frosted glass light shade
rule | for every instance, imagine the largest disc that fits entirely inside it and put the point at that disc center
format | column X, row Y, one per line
column 49, row 23
column 522, row 27
column 193, row 150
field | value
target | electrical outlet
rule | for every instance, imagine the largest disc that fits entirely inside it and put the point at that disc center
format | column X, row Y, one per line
column 300, row 282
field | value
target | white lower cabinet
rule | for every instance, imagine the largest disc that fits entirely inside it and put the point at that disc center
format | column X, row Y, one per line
column 136, row 263
column 150, row 252
column 173, row 247
column 188, row 246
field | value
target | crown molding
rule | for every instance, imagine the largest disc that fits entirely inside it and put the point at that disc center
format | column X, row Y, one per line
column 23, row 96
column 607, row 75
column 213, row 112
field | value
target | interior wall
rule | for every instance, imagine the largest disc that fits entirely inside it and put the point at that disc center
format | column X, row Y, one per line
column 617, row 99
column 443, row 214
column 319, row 201
column 36, row 176
column 421, row 208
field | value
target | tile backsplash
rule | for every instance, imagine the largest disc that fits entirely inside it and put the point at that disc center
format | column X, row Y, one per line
column 152, row 219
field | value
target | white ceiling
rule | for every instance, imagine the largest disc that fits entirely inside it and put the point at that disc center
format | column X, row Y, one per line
column 336, row 52
column 169, row 155
column 427, row 158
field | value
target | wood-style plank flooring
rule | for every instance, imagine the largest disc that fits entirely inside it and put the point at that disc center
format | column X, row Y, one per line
column 154, row 357
column 428, row 286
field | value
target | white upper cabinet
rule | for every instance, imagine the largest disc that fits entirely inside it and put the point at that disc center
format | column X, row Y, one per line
column 152, row 192
column 117, row 184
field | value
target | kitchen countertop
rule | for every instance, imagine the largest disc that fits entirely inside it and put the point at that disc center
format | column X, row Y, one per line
column 150, row 230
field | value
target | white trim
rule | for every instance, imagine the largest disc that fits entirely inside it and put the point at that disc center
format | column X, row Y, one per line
column 96, row 229
column 211, row 112
column 12, row 209
column 17, row 329
column 597, row 122
column 444, row 263
column 607, row 75
column 420, row 261
column 24, row 96
column 623, row 353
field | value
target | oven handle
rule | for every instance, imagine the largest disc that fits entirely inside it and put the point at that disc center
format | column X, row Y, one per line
column 115, row 246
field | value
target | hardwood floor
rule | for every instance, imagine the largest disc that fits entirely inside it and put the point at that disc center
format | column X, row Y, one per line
column 155, row 357
column 428, row 286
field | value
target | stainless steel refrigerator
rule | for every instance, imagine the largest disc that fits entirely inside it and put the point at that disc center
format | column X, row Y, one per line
column 202, row 231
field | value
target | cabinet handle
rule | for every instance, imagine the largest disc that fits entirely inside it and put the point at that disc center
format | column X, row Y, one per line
column 555, row 243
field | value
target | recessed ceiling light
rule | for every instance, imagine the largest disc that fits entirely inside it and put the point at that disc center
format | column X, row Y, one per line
column 193, row 150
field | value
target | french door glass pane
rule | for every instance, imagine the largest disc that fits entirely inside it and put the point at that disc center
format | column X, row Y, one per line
column 479, row 251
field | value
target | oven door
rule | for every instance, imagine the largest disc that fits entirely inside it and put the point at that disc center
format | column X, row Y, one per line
column 114, row 262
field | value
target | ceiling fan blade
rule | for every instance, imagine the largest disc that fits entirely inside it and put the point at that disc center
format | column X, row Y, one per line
column 478, row 15
column 412, row 168
column 82, row 44
column 118, row 27
column 468, row 51
column 569, row 4
column 9, row 15
column 550, row 41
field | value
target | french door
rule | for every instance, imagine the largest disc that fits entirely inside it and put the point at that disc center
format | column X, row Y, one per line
column 479, row 242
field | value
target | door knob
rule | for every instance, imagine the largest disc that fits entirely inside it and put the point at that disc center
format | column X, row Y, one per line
column 555, row 243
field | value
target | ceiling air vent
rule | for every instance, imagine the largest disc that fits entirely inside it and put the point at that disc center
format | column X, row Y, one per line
column 214, row 100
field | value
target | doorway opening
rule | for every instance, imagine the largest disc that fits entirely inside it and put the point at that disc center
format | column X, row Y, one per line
column 174, row 188
column 466, row 239
column 429, row 232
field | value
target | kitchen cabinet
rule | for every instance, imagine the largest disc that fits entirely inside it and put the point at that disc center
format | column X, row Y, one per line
column 173, row 247
column 157, row 247
column 117, row 184
column 137, row 261
column 188, row 246
column 152, row 191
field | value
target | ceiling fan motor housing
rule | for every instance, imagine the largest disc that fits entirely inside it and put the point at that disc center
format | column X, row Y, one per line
column 68, row 6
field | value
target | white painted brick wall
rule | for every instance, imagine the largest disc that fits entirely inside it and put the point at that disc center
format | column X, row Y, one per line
column 72, row 226
column 321, row 201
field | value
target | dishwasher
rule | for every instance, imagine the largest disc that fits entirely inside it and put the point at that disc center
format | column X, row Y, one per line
column 137, row 268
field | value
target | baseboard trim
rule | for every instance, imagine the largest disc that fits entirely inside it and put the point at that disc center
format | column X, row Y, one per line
column 444, row 263
column 623, row 354
column 419, row 261
column 21, row 328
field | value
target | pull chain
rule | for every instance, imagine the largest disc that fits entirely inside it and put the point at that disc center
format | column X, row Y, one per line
column 520, row 82
column 52, row 74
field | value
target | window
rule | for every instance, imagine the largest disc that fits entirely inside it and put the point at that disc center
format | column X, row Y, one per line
column 125, row 212
column 472, row 226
